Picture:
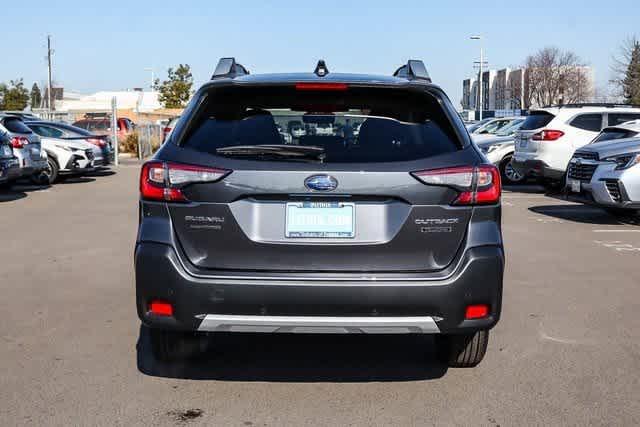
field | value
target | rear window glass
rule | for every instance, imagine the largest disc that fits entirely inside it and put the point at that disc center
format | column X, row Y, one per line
column 16, row 126
column 537, row 120
column 590, row 122
column 618, row 118
column 356, row 125
column 611, row 134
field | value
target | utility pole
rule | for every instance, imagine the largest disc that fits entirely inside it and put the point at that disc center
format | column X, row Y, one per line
column 152, row 76
column 480, row 64
column 49, row 97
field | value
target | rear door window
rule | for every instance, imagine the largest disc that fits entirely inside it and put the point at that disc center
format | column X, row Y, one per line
column 15, row 125
column 590, row 122
column 618, row 118
column 537, row 120
column 393, row 125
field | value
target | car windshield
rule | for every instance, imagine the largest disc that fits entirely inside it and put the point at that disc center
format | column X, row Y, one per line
column 394, row 126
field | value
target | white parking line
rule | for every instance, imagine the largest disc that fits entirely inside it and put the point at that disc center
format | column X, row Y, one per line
column 616, row 231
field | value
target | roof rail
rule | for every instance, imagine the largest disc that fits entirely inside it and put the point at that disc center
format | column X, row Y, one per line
column 413, row 70
column 593, row 104
column 228, row 68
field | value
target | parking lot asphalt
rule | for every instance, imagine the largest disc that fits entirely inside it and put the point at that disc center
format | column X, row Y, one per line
column 566, row 352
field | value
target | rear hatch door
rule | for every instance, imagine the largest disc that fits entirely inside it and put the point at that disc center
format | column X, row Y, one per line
column 355, row 207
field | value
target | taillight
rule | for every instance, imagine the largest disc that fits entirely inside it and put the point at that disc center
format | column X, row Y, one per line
column 19, row 141
column 166, row 130
column 98, row 142
column 547, row 135
column 478, row 185
column 165, row 180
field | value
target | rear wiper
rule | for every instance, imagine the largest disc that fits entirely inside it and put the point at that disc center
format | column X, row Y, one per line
column 279, row 150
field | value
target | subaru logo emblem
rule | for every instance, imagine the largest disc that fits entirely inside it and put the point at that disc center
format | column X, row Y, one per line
column 321, row 183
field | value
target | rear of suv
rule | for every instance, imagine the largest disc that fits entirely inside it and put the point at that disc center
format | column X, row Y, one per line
column 394, row 231
column 549, row 136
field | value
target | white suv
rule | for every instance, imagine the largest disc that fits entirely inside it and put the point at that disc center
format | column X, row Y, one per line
column 549, row 136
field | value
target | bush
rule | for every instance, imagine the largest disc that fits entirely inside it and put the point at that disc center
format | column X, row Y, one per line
column 130, row 144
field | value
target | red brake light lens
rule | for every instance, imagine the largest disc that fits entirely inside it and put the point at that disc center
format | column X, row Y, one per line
column 322, row 86
column 19, row 141
column 97, row 142
column 161, row 308
column 477, row 311
column 164, row 181
column 547, row 135
column 477, row 185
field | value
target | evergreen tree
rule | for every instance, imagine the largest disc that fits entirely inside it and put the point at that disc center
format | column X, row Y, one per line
column 176, row 90
column 36, row 96
column 631, row 81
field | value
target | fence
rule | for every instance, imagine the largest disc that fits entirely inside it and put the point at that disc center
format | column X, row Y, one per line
column 149, row 138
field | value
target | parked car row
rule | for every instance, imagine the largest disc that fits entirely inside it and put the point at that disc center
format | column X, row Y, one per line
column 495, row 138
column 45, row 151
column 564, row 146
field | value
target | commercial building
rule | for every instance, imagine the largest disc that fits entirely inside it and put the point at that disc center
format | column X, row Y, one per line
column 508, row 92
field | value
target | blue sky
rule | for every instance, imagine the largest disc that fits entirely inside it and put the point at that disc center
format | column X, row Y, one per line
column 108, row 45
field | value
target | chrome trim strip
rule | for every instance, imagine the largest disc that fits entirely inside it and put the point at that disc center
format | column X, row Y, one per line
column 318, row 324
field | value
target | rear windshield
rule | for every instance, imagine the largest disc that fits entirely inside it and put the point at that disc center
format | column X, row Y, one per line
column 15, row 125
column 537, row 120
column 354, row 125
column 611, row 134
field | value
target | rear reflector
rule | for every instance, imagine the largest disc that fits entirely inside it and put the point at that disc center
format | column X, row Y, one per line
column 161, row 308
column 322, row 86
column 165, row 181
column 478, row 185
column 476, row 311
column 547, row 135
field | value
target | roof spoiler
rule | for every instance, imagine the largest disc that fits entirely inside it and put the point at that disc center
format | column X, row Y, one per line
column 228, row 68
column 413, row 70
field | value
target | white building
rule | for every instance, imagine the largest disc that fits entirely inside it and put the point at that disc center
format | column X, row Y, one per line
column 136, row 101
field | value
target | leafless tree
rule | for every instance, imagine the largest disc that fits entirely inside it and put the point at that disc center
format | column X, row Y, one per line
column 554, row 76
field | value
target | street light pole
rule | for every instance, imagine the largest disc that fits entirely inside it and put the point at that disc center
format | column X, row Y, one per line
column 480, row 100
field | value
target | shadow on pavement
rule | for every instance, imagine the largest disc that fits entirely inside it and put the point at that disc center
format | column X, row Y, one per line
column 74, row 180
column 101, row 172
column 11, row 195
column 585, row 214
column 525, row 188
column 302, row 358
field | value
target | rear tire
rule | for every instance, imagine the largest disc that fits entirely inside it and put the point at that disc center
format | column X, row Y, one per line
column 47, row 176
column 174, row 346
column 464, row 350
column 509, row 175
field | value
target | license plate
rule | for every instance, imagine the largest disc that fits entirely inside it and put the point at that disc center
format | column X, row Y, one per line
column 6, row 151
column 523, row 142
column 574, row 185
column 320, row 220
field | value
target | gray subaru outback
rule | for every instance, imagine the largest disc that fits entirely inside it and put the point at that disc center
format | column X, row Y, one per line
column 381, row 218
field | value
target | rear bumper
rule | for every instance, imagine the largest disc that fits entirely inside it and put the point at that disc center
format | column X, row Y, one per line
column 33, row 167
column 364, row 305
column 9, row 170
column 535, row 168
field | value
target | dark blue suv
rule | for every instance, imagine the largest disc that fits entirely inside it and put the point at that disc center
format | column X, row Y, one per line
column 378, row 216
